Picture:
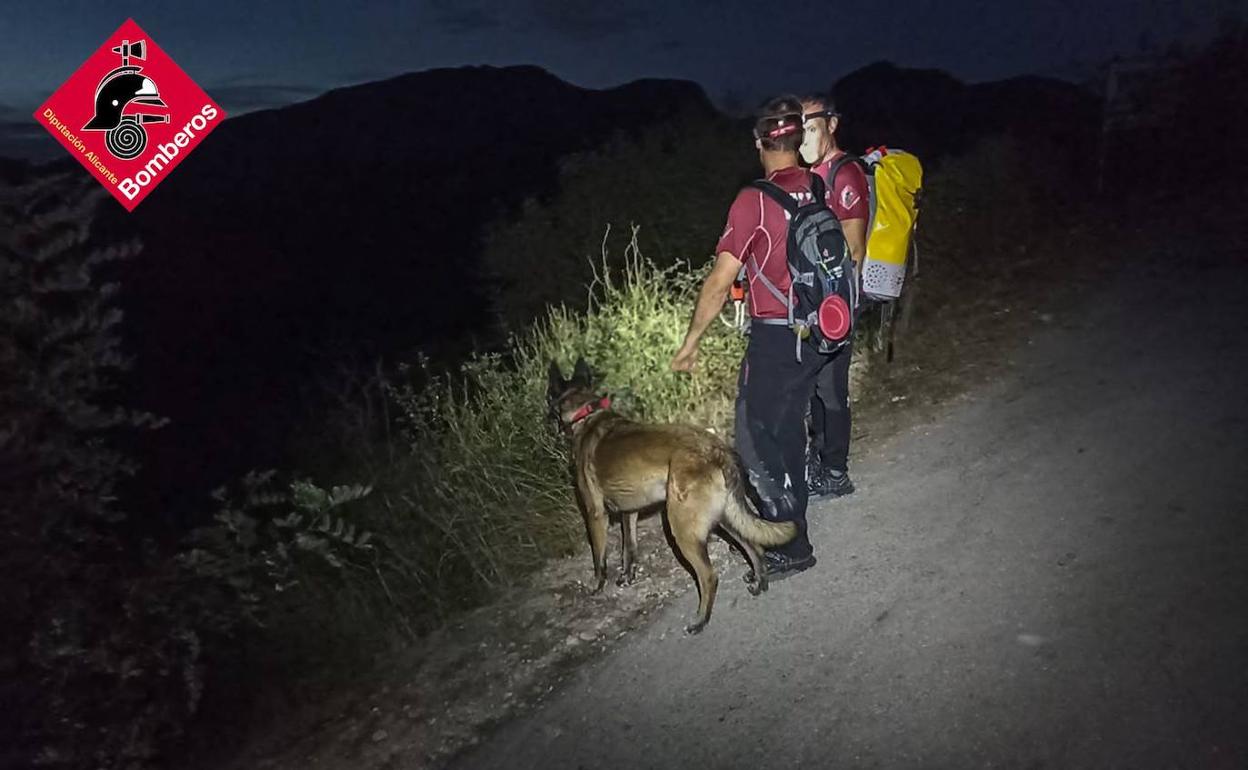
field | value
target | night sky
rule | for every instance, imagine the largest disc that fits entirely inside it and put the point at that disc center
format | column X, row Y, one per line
column 250, row 54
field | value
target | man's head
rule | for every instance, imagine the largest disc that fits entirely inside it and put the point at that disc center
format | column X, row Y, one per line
column 820, row 120
column 778, row 127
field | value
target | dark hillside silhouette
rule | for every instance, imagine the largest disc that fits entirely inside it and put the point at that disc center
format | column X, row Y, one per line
column 933, row 114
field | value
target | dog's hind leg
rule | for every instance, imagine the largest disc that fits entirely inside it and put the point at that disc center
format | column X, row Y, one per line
column 690, row 526
column 628, row 548
column 593, row 509
column 692, row 513
column 757, row 585
column 597, row 526
column 693, row 548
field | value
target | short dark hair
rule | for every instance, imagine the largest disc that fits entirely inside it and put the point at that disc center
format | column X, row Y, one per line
column 778, row 123
column 825, row 102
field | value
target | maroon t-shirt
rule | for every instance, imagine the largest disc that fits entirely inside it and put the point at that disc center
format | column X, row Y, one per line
column 758, row 227
column 847, row 194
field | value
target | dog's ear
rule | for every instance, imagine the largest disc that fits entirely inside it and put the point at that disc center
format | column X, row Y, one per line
column 557, row 385
column 581, row 375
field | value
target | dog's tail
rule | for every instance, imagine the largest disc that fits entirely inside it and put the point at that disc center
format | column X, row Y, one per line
column 740, row 517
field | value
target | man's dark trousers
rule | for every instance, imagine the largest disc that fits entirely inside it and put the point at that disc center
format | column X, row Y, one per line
column 829, row 413
column 773, row 390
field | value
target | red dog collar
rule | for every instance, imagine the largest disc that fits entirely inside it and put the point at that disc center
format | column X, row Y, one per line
column 588, row 409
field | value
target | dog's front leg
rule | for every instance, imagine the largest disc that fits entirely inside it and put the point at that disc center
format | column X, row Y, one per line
column 628, row 549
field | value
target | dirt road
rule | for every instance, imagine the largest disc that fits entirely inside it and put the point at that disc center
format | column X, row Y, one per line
column 1053, row 572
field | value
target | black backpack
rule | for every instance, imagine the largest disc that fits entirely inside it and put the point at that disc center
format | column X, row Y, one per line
column 823, row 287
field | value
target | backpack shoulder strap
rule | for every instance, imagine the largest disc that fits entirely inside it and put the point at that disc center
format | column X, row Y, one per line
column 838, row 163
column 777, row 194
column 818, row 190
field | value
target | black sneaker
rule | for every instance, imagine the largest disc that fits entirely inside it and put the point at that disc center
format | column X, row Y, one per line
column 780, row 566
column 830, row 482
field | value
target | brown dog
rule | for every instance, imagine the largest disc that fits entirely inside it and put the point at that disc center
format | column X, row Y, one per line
column 623, row 467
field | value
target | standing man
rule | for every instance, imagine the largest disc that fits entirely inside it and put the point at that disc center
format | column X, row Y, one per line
column 773, row 387
column 828, row 461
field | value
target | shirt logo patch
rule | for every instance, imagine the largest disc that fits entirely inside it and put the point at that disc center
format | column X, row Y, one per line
column 849, row 197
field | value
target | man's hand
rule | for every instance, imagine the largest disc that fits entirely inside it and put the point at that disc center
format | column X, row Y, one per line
column 685, row 359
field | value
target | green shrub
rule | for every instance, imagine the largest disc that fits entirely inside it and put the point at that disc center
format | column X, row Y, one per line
column 630, row 333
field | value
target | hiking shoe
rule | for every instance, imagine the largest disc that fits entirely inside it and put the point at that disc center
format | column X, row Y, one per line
column 833, row 483
column 780, row 566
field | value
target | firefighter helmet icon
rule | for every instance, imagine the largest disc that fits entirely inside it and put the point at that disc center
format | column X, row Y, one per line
column 125, row 137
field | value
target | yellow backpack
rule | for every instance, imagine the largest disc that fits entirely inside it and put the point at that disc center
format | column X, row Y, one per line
column 895, row 182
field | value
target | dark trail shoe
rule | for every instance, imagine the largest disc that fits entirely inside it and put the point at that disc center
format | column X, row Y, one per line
column 779, row 566
column 831, row 483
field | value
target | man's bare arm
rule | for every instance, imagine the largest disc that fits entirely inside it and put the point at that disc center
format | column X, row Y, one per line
column 710, row 302
column 856, row 238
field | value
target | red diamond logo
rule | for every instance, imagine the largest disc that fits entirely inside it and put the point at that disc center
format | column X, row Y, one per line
column 129, row 115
